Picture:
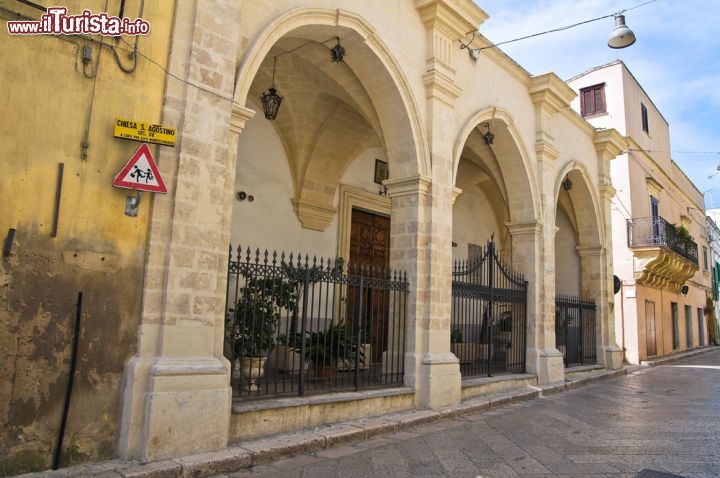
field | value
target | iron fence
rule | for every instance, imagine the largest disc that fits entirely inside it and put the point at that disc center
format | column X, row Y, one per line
column 656, row 231
column 489, row 314
column 295, row 325
column 575, row 333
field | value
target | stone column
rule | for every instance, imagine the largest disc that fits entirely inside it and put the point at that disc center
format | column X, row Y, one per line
column 431, row 368
column 543, row 358
column 608, row 145
column 549, row 95
column 177, row 389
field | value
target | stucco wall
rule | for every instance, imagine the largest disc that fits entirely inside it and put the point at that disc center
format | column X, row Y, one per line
column 269, row 221
column 567, row 263
column 645, row 170
column 45, row 105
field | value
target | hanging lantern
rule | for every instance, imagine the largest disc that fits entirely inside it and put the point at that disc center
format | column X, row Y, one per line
column 271, row 102
column 270, row 99
column 489, row 137
column 567, row 184
column 337, row 53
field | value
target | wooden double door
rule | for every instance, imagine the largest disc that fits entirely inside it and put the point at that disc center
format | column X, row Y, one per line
column 369, row 256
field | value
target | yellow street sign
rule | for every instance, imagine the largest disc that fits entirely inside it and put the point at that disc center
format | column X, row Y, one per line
column 145, row 132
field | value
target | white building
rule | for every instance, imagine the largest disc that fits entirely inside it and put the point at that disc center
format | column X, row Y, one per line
column 660, row 247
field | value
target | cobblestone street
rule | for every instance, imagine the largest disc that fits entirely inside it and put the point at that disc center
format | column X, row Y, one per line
column 656, row 421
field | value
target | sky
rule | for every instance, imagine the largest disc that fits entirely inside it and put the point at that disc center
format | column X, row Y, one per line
column 676, row 59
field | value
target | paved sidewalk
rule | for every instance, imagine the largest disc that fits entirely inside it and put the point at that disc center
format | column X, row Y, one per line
column 656, row 421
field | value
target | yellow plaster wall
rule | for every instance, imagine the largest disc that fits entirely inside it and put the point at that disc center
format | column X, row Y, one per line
column 46, row 100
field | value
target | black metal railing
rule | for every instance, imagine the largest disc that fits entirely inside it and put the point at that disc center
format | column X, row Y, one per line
column 489, row 313
column 575, row 333
column 296, row 325
column 656, row 231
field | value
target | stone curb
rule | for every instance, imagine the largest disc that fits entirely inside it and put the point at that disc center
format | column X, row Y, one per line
column 678, row 356
column 250, row 453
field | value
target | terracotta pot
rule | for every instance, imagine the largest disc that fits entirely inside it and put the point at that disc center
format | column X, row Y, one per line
column 322, row 371
column 251, row 370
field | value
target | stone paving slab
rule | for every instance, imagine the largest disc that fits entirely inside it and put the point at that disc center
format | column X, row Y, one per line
column 515, row 444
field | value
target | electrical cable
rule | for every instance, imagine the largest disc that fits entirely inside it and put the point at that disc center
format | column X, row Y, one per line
column 215, row 93
column 554, row 30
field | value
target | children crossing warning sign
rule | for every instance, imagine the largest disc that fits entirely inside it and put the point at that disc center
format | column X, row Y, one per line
column 140, row 173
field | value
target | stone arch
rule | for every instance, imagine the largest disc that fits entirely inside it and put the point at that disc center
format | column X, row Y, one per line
column 519, row 184
column 585, row 202
column 399, row 115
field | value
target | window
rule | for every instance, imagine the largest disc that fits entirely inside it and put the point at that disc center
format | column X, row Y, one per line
column 592, row 100
column 705, row 258
column 643, row 112
column 655, row 213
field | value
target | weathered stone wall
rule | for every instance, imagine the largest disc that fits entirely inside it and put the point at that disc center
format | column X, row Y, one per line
column 45, row 110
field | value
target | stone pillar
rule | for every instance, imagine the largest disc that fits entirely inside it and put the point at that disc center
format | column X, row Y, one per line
column 543, row 359
column 177, row 389
column 549, row 95
column 430, row 368
column 608, row 145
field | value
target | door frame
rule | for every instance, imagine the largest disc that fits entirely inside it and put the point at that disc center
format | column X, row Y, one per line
column 648, row 302
column 350, row 198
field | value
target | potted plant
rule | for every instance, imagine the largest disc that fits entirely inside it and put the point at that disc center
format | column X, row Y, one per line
column 330, row 347
column 285, row 356
column 256, row 317
column 683, row 236
column 466, row 352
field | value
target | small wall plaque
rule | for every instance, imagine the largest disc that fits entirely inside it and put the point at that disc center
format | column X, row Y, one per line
column 381, row 171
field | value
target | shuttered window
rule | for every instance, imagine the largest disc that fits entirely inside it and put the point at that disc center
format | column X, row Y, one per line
column 592, row 100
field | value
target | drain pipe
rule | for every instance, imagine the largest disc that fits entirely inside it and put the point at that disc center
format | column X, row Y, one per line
column 622, row 318
column 71, row 379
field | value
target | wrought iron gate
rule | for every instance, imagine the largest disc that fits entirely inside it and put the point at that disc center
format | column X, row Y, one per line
column 575, row 330
column 489, row 315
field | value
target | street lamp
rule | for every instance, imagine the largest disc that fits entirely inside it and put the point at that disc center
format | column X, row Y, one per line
column 621, row 36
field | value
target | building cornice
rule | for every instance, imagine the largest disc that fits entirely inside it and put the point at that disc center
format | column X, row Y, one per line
column 413, row 185
column 609, row 142
column 239, row 116
column 454, row 17
column 549, row 92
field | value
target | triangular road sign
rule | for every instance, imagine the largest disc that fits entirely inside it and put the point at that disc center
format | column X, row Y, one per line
column 140, row 173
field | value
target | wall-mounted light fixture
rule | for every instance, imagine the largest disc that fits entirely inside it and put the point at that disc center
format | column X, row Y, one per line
column 684, row 290
column 488, row 137
column 242, row 195
column 567, row 183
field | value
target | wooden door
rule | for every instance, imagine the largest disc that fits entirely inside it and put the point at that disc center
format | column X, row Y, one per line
column 369, row 255
column 650, row 328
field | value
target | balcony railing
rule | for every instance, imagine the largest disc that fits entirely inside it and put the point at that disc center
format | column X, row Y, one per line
column 656, row 231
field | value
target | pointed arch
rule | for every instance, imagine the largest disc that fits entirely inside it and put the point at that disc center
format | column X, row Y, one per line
column 399, row 114
column 516, row 165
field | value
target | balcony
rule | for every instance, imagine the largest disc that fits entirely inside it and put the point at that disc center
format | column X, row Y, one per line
column 663, row 257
